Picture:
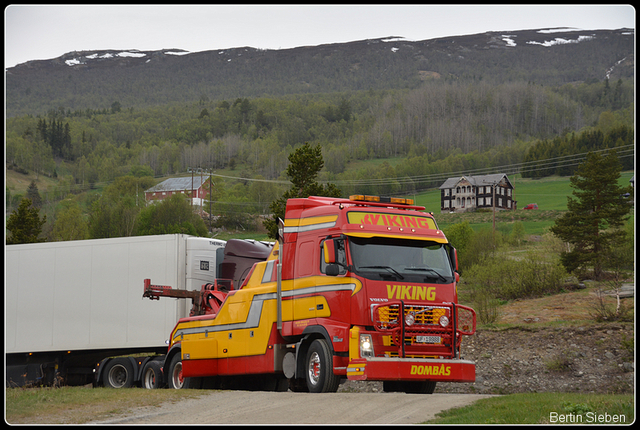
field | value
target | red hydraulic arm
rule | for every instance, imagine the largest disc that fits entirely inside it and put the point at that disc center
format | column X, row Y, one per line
column 207, row 301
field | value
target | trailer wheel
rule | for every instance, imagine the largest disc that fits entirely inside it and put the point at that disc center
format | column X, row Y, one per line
column 119, row 373
column 152, row 375
column 319, row 369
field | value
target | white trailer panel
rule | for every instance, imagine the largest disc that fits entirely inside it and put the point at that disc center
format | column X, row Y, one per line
column 87, row 295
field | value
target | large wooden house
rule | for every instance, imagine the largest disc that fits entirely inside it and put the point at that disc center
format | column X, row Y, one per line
column 469, row 193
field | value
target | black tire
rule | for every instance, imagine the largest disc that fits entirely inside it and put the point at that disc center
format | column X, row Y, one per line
column 282, row 385
column 118, row 373
column 266, row 382
column 409, row 387
column 174, row 376
column 176, row 380
column 298, row 385
column 319, row 368
column 275, row 383
column 152, row 375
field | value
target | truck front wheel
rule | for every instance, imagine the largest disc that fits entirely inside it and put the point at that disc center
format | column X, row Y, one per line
column 409, row 387
column 319, row 368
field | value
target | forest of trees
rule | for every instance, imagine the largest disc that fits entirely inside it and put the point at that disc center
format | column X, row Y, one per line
column 434, row 120
column 435, row 130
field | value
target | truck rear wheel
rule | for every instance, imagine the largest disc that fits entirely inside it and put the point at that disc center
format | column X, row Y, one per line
column 319, row 369
column 118, row 373
column 152, row 375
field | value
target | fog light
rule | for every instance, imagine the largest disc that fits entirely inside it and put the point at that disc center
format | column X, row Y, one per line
column 366, row 345
column 409, row 319
column 444, row 321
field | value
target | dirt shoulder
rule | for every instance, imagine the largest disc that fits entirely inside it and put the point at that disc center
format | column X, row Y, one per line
column 550, row 344
column 586, row 359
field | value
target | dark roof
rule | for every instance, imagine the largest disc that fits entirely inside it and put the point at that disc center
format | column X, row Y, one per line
column 178, row 184
column 476, row 180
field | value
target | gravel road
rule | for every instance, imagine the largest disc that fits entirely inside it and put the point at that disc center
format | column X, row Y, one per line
column 251, row 407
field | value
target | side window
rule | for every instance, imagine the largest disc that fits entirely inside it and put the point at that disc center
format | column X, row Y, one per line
column 304, row 259
column 341, row 256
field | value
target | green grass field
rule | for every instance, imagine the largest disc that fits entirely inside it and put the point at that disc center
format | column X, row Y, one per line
column 544, row 408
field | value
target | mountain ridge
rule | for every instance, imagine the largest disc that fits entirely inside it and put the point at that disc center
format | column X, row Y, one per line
column 136, row 78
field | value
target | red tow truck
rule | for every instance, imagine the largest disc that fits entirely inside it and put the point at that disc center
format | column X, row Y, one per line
column 360, row 289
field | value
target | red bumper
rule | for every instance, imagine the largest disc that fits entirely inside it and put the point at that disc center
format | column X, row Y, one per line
column 407, row 369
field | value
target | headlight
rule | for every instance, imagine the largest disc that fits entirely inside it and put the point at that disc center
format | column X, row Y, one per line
column 444, row 321
column 366, row 345
column 409, row 319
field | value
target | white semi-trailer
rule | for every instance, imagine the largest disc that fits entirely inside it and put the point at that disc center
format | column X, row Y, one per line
column 74, row 311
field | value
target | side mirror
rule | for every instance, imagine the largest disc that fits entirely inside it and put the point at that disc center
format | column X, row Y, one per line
column 329, row 248
column 280, row 232
column 453, row 257
column 332, row 269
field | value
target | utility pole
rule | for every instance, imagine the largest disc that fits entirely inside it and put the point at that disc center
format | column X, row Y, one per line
column 210, row 190
column 493, row 200
column 209, row 171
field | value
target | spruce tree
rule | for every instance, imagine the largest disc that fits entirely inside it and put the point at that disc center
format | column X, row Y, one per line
column 34, row 195
column 25, row 224
column 593, row 224
column 304, row 165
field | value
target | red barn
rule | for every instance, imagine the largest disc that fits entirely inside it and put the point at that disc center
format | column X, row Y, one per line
column 190, row 186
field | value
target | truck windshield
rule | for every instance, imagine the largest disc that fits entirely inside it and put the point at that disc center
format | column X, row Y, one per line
column 400, row 259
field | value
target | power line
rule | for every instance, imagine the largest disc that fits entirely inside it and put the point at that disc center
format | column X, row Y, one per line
column 273, row 181
column 524, row 167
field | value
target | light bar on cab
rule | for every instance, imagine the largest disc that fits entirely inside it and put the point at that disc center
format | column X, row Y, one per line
column 378, row 199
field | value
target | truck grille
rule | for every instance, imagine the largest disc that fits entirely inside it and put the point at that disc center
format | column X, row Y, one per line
column 423, row 335
column 387, row 316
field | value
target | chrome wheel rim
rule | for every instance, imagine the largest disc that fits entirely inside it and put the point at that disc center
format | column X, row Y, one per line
column 314, row 368
column 178, row 380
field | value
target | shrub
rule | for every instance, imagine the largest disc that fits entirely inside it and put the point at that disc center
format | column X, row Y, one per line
column 562, row 362
column 459, row 235
column 603, row 310
column 517, row 233
column 486, row 307
column 482, row 245
column 507, row 279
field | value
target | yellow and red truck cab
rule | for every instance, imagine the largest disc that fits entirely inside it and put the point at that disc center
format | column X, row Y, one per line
column 361, row 289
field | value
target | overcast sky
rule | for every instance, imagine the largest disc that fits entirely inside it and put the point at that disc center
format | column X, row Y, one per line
column 35, row 32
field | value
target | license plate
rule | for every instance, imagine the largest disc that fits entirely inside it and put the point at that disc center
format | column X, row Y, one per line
column 428, row 339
